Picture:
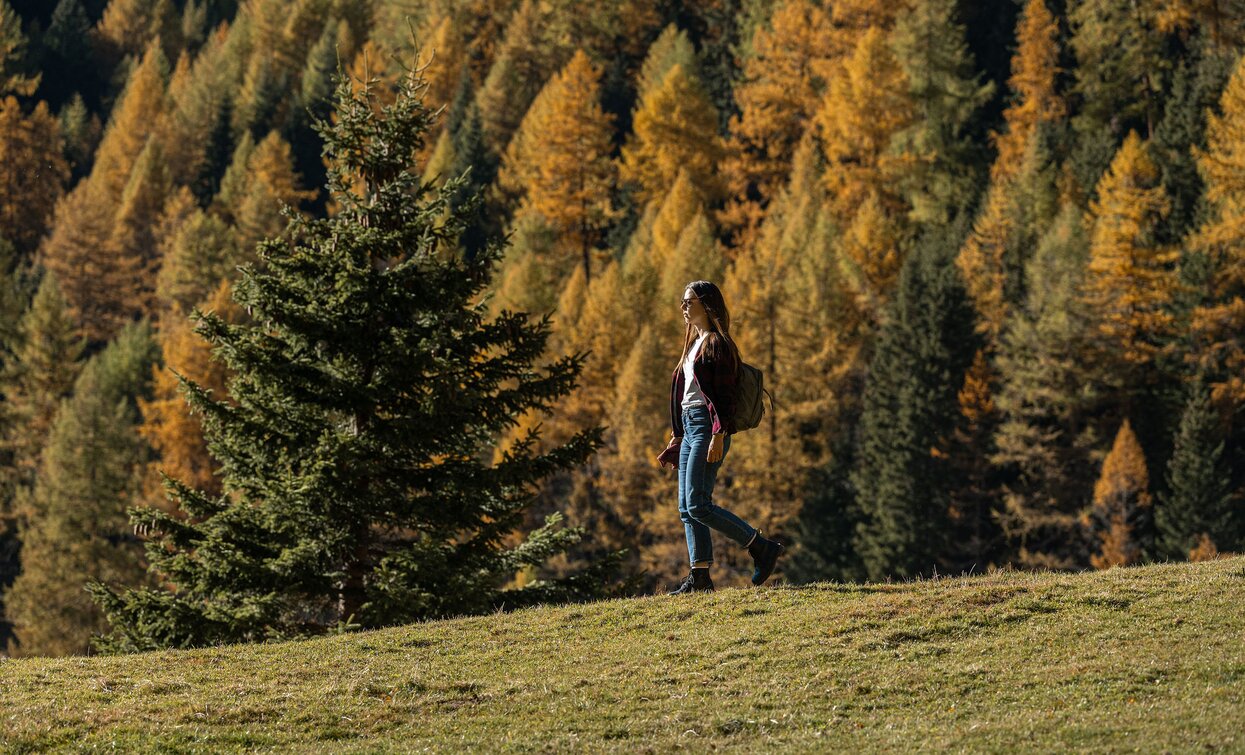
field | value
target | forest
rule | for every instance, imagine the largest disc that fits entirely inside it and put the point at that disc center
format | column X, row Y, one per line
column 262, row 378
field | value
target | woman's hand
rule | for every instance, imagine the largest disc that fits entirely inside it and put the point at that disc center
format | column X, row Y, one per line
column 715, row 448
column 670, row 456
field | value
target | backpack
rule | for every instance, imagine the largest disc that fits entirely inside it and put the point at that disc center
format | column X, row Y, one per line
column 750, row 407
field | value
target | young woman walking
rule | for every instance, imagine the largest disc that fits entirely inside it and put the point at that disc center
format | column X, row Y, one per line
column 702, row 417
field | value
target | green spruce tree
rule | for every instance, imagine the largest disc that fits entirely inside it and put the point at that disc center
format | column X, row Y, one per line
column 74, row 528
column 1046, row 434
column 947, row 92
column 901, row 477
column 1198, row 497
column 360, row 488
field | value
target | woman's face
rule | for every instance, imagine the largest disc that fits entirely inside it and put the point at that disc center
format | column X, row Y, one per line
column 693, row 311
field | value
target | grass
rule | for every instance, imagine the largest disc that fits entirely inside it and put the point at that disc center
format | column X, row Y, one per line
column 1149, row 658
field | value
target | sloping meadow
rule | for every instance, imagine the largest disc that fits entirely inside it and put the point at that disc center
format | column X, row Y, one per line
column 1150, row 658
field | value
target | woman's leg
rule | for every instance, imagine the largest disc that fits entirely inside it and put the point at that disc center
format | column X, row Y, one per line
column 699, row 539
column 700, row 476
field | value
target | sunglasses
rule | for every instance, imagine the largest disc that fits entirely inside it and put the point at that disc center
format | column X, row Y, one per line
column 685, row 303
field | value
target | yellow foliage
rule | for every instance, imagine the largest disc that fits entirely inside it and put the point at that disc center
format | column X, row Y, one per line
column 1130, row 281
column 1216, row 325
column 780, row 89
column 33, row 171
column 1205, row 550
column 137, row 115
column 1120, row 494
column 870, row 256
column 675, row 128
column 442, row 55
column 559, row 160
column 272, row 183
column 679, row 207
column 981, row 259
column 1221, row 19
column 1035, row 66
column 168, row 425
column 866, row 105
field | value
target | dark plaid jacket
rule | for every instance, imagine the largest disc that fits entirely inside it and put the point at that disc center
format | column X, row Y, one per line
column 718, row 380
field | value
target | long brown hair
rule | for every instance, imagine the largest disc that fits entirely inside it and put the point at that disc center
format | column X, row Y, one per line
column 719, row 344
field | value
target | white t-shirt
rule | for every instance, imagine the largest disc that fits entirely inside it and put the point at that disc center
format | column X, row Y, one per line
column 692, row 395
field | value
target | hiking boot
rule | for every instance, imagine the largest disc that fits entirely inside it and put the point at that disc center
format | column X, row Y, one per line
column 697, row 581
column 765, row 555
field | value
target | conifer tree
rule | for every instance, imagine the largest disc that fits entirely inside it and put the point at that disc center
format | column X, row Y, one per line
column 81, row 130
column 1197, row 83
column 516, row 76
column 1046, row 402
column 271, row 183
column 1130, row 281
column 946, row 93
column 1223, row 21
column 531, row 275
column 675, row 128
column 902, row 478
column 197, row 124
column 12, row 55
column 1020, row 204
column 66, row 61
column 1197, row 502
column 1118, row 64
column 133, row 234
column 1035, row 100
column 33, row 172
column 366, row 389
column 76, row 529
column 77, row 253
column 92, row 249
column 672, row 47
column 559, row 160
column 199, row 254
column 130, row 27
column 782, row 81
column 870, row 253
column 867, row 104
column 1217, row 322
column 473, row 159
column 174, row 434
column 976, row 540
column 259, row 105
column 1120, row 516
column 444, row 56
column 41, row 372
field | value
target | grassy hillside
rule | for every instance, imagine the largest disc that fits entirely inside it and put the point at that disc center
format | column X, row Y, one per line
column 1150, row 658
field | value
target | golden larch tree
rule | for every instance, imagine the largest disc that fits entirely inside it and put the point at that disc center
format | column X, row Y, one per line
column 1035, row 68
column 1131, row 281
column 981, row 259
column 559, row 160
column 138, row 113
column 271, row 183
column 104, row 276
column 867, row 103
column 1218, row 323
column 1121, row 503
column 167, row 424
column 33, row 172
column 791, row 318
column 675, row 128
column 781, row 85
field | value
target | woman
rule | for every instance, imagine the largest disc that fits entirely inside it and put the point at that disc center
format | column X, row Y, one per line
column 702, row 417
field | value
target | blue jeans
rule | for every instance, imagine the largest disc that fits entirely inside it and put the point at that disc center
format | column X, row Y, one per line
column 696, row 478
